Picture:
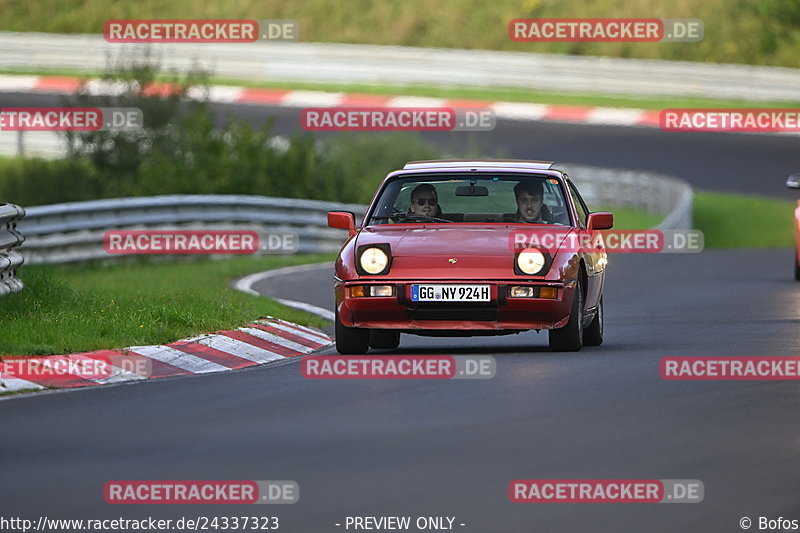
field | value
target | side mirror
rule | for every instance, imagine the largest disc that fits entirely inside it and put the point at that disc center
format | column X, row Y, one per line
column 342, row 220
column 793, row 181
column 600, row 220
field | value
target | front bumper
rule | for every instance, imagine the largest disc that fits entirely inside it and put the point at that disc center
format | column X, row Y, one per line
column 501, row 313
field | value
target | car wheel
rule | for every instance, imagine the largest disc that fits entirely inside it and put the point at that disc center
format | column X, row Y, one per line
column 593, row 334
column 351, row 340
column 384, row 339
column 570, row 337
column 796, row 267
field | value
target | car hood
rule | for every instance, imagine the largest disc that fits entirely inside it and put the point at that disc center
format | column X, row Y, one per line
column 479, row 251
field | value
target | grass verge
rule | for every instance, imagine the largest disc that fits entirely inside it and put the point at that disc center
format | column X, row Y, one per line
column 743, row 221
column 508, row 94
column 745, row 31
column 627, row 218
column 67, row 309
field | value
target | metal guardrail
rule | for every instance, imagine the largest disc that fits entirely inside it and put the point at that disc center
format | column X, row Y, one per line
column 657, row 194
column 402, row 65
column 71, row 232
column 10, row 258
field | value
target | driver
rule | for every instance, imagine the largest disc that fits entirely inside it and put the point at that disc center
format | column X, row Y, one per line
column 425, row 201
column 530, row 202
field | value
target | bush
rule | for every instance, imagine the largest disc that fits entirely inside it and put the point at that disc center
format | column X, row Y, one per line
column 181, row 150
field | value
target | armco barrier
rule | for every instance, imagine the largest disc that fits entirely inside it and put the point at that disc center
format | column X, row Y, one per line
column 401, row 65
column 70, row 232
column 657, row 194
column 10, row 239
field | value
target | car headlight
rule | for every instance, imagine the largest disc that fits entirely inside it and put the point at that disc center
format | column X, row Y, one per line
column 374, row 260
column 531, row 261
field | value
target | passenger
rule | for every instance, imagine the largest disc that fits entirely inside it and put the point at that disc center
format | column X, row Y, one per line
column 530, row 202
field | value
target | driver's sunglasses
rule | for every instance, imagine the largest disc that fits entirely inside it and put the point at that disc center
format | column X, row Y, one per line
column 431, row 201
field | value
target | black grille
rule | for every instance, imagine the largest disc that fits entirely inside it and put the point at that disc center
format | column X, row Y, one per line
column 487, row 313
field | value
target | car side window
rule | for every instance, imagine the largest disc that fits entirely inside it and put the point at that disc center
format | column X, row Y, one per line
column 580, row 207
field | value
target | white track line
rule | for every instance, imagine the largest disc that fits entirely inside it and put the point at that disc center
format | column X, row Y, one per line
column 308, row 308
column 246, row 285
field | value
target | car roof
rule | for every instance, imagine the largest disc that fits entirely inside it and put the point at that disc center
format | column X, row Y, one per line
column 521, row 164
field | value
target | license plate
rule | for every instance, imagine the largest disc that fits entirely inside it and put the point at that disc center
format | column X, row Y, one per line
column 450, row 293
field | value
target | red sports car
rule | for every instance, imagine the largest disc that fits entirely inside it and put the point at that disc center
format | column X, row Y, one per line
column 462, row 248
column 793, row 182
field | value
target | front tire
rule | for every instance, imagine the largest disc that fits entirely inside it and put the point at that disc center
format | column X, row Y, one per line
column 796, row 266
column 351, row 341
column 570, row 337
column 384, row 339
column 593, row 334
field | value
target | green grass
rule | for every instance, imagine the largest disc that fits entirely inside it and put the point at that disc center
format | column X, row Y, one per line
column 743, row 221
column 466, row 93
column 742, row 31
column 72, row 309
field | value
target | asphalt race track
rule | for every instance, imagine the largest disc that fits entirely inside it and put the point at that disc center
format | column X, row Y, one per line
column 739, row 162
column 451, row 447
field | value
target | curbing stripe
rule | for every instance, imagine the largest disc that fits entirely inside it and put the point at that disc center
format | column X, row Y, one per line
column 13, row 84
column 262, row 96
column 118, row 375
column 182, row 360
column 305, row 341
column 206, row 352
column 275, row 339
column 265, row 341
column 365, row 100
column 57, row 84
column 416, row 101
column 519, row 111
column 596, row 116
column 311, row 99
column 610, row 115
column 310, row 335
column 246, row 337
column 241, row 349
column 567, row 113
column 15, row 384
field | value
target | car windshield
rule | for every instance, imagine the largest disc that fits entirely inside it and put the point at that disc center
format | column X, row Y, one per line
column 467, row 198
